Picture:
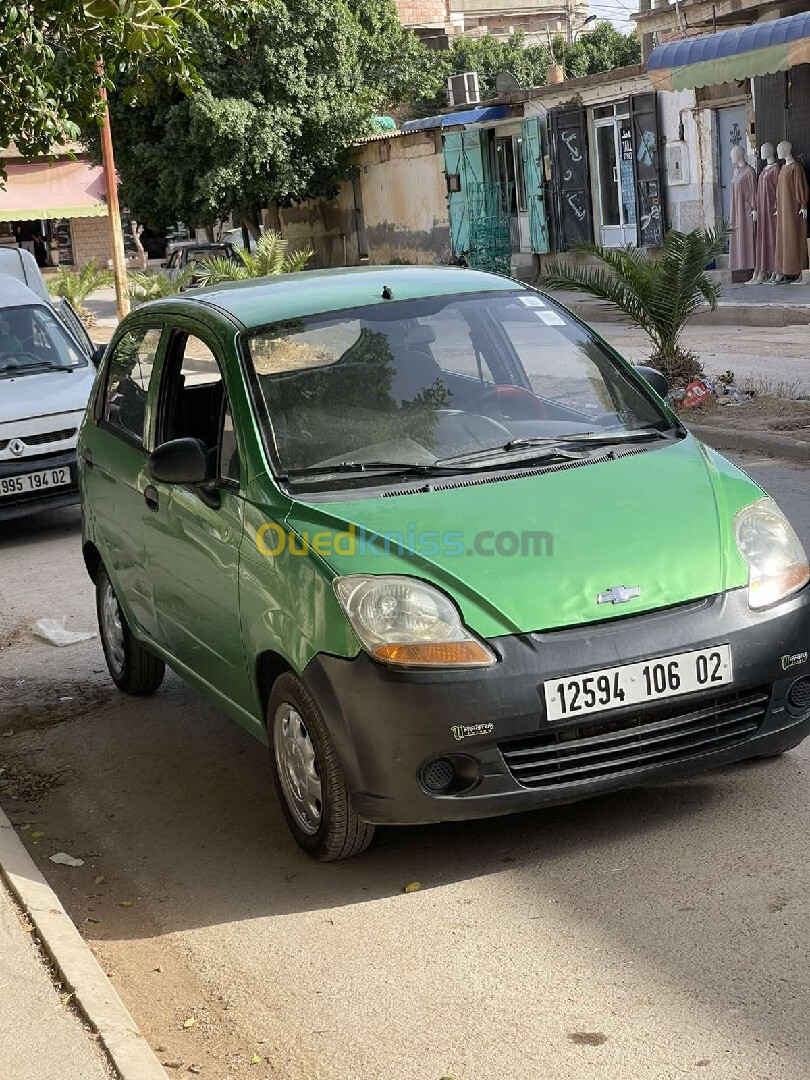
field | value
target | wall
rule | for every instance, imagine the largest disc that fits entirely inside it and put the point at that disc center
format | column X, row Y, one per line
column 405, row 199
column 91, row 240
column 395, row 211
column 423, row 12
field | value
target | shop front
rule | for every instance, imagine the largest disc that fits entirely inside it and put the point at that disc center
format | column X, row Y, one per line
column 56, row 210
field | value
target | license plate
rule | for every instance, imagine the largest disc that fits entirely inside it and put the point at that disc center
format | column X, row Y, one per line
column 631, row 684
column 34, row 481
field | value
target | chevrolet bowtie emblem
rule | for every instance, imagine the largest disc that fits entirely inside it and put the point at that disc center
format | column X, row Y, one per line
column 619, row 594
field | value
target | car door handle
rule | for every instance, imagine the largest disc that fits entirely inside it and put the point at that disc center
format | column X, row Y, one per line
column 151, row 497
column 87, row 457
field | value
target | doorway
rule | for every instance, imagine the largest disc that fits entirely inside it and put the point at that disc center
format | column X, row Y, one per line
column 731, row 124
column 614, row 174
column 508, row 151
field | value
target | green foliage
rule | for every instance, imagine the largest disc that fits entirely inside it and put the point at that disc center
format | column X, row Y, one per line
column 143, row 286
column 76, row 285
column 602, row 49
column 269, row 258
column 272, row 118
column 49, row 86
column 658, row 294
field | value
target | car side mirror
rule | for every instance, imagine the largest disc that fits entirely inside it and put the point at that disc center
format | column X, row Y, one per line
column 98, row 355
column 179, row 461
column 657, row 379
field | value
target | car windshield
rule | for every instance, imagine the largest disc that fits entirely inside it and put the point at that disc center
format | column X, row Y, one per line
column 423, row 382
column 32, row 340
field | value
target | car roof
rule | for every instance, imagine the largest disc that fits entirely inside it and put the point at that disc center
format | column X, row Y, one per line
column 14, row 294
column 20, row 264
column 257, row 302
column 199, row 243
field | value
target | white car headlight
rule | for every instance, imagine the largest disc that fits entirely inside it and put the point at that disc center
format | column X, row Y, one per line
column 408, row 623
column 777, row 563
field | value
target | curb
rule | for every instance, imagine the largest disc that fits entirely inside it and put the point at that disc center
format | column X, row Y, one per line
column 764, row 442
column 93, row 992
column 725, row 314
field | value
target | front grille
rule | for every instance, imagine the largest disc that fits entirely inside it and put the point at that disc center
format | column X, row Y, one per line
column 603, row 749
column 42, row 438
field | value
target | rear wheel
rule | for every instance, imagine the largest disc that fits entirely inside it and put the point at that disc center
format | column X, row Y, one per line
column 132, row 667
column 308, row 776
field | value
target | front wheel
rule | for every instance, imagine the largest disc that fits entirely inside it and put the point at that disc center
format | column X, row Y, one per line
column 132, row 667
column 309, row 778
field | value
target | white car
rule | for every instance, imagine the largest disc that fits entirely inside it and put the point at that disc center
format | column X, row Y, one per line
column 46, row 374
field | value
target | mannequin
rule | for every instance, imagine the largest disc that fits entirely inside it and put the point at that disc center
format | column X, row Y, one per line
column 792, row 192
column 764, row 217
column 743, row 204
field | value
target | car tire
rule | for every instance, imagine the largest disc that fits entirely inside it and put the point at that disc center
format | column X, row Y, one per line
column 308, row 776
column 132, row 667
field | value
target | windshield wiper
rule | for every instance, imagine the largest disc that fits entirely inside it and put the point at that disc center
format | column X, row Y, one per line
column 403, row 468
column 560, row 446
column 589, row 438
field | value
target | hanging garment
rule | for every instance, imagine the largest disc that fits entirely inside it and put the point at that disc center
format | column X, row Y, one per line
column 743, row 201
column 791, row 228
column 766, row 222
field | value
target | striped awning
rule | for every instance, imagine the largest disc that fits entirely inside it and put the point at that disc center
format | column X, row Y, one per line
column 58, row 189
column 731, row 55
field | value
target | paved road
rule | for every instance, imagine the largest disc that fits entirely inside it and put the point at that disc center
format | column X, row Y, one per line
column 654, row 934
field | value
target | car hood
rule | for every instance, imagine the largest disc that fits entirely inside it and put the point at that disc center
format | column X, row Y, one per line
column 45, row 393
column 661, row 520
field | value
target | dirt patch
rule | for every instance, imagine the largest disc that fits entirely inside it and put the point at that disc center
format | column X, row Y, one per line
column 34, row 706
column 768, row 414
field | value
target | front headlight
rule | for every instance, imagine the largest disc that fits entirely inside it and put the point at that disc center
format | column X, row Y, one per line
column 777, row 563
column 408, row 623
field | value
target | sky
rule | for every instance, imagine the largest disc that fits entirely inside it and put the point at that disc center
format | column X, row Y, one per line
column 616, row 11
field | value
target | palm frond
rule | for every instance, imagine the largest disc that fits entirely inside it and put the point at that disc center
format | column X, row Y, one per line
column 76, row 285
column 296, row 261
column 221, row 268
column 143, row 286
column 603, row 284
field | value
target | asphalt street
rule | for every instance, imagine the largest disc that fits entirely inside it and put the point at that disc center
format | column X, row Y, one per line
column 654, row 934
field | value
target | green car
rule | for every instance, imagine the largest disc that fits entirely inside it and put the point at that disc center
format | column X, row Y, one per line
column 431, row 540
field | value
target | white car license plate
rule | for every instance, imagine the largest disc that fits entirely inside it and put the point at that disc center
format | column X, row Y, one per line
column 34, row 481
column 631, row 684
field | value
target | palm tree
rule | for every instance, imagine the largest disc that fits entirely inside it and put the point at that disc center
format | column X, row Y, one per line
column 76, row 285
column 268, row 258
column 659, row 295
column 143, row 286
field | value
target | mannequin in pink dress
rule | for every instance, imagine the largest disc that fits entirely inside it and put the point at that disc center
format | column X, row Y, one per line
column 743, row 202
column 763, row 216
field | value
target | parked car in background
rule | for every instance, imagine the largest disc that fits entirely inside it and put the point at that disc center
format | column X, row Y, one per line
column 18, row 263
column 189, row 254
column 434, row 541
column 46, row 374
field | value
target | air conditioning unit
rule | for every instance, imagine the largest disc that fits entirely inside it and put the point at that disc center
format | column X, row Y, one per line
column 463, row 89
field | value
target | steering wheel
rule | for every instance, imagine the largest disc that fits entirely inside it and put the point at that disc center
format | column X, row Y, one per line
column 459, row 431
column 514, row 402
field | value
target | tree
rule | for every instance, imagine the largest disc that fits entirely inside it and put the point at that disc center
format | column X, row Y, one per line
column 49, row 85
column 272, row 118
column 602, row 49
column 658, row 294
column 77, row 285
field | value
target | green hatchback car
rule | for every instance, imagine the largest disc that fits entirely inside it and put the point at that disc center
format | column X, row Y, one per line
column 430, row 539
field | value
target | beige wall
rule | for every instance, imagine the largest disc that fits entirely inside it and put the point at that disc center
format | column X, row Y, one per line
column 394, row 211
column 91, row 240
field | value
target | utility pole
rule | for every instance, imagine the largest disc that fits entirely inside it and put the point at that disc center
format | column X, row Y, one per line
column 113, row 210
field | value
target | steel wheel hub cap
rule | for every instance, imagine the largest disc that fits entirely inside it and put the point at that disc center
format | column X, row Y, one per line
column 297, row 767
column 111, row 628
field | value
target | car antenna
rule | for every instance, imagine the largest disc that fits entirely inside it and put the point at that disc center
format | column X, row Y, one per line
column 387, row 293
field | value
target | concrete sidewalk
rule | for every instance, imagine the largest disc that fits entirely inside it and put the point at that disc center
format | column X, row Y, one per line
column 40, row 1038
